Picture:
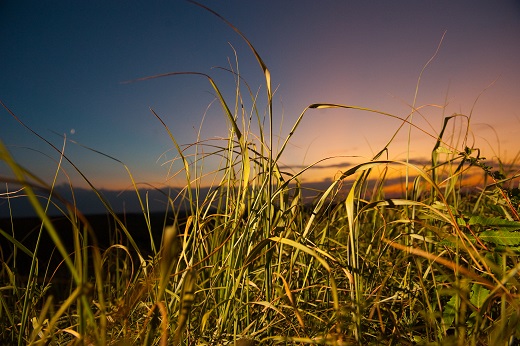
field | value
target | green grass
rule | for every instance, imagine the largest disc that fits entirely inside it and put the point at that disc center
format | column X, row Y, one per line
column 253, row 261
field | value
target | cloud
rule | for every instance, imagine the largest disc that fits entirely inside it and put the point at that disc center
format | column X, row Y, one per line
column 318, row 166
column 348, row 164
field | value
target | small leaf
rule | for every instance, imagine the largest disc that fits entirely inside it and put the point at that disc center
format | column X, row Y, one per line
column 504, row 238
column 443, row 150
column 478, row 295
column 448, row 313
column 495, row 222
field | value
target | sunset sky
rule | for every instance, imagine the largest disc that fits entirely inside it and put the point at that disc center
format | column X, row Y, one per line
column 63, row 64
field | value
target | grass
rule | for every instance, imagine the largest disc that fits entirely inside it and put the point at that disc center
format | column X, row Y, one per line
column 253, row 263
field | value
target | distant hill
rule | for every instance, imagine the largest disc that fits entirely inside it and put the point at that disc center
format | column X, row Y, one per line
column 125, row 201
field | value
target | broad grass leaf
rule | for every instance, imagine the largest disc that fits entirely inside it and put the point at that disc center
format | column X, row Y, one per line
column 302, row 248
column 16, row 243
column 268, row 305
column 255, row 252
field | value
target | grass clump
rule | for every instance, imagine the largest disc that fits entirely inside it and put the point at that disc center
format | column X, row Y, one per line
column 252, row 262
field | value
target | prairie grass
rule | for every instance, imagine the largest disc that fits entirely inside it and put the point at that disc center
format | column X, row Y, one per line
column 252, row 262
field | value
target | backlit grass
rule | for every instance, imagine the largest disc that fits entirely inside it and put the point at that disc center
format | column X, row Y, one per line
column 252, row 262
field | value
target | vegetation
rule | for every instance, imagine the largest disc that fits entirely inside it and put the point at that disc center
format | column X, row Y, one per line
column 253, row 263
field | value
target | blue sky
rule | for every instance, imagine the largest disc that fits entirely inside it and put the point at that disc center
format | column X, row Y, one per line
column 63, row 64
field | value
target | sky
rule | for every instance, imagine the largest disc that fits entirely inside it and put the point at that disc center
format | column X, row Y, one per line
column 64, row 65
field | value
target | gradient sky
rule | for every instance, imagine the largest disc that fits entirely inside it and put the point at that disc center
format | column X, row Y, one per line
column 63, row 64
